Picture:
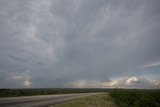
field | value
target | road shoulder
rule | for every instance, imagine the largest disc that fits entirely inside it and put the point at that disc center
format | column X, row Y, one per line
column 99, row 100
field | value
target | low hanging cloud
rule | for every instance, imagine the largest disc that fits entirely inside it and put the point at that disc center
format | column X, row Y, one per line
column 23, row 80
column 138, row 82
column 127, row 82
column 17, row 79
column 27, row 83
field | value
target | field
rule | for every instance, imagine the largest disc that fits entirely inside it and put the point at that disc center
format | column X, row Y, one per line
column 100, row 100
column 109, row 98
column 47, row 91
column 136, row 98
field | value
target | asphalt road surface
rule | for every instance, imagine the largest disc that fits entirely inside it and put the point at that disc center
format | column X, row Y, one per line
column 39, row 101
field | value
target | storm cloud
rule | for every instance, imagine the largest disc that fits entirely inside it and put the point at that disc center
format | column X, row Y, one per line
column 57, row 43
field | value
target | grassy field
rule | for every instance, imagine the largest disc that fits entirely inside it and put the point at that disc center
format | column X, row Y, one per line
column 99, row 100
column 136, row 98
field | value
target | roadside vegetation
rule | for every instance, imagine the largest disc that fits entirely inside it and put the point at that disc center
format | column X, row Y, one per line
column 118, row 98
column 98, row 100
column 46, row 91
column 136, row 98
column 121, row 97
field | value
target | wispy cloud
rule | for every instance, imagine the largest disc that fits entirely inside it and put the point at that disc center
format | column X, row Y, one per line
column 151, row 64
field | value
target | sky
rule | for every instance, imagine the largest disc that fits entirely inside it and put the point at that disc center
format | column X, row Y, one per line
column 80, row 43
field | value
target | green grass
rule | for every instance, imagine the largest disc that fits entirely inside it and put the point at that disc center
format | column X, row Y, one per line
column 99, row 100
column 136, row 98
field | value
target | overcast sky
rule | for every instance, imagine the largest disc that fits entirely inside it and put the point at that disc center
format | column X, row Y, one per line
column 80, row 43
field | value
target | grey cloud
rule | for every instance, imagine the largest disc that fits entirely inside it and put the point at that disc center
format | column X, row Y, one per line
column 61, row 41
column 15, row 79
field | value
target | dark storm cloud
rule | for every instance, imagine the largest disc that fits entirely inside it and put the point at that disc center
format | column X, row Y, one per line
column 63, row 41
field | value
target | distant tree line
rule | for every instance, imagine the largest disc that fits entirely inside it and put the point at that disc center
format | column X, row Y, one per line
column 46, row 91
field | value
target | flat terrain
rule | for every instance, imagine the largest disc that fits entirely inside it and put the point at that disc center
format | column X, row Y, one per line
column 112, row 98
column 37, row 101
column 98, row 100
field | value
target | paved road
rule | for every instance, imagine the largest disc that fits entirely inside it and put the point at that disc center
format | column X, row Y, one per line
column 39, row 101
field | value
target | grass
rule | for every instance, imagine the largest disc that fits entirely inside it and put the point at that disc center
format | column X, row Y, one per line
column 118, row 98
column 136, row 98
column 99, row 100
